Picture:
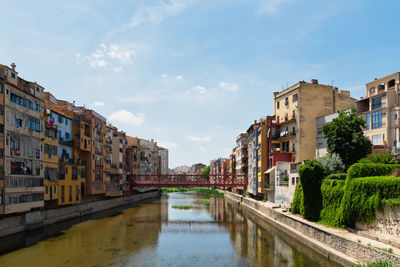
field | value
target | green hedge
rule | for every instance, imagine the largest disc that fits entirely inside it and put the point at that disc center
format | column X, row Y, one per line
column 297, row 203
column 364, row 196
column 358, row 170
column 336, row 176
column 332, row 194
column 311, row 174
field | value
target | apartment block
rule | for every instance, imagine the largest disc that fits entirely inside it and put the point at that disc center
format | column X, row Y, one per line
column 381, row 110
column 197, row 168
column 22, row 130
column 321, row 142
column 252, row 186
column 70, row 178
column 164, row 160
column 119, row 160
column 241, row 154
column 295, row 111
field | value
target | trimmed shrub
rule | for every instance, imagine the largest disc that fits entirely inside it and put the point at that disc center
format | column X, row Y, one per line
column 337, row 176
column 364, row 196
column 332, row 194
column 297, row 203
column 311, row 174
column 358, row 170
column 382, row 158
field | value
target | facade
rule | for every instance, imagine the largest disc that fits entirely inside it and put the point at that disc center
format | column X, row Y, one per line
column 22, row 129
column 321, row 144
column 164, row 160
column 281, row 181
column 295, row 111
column 197, row 168
column 241, row 154
column 70, row 174
column 119, row 160
column 252, row 159
column 381, row 111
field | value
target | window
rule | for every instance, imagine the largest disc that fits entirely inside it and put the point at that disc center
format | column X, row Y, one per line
column 62, row 194
column 13, row 75
column 18, row 123
column 376, row 103
column 377, row 119
column 60, row 119
column 1, row 196
column 295, row 97
column 1, row 88
column 77, row 193
column 391, row 83
column 372, row 90
column 67, row 136
column 287, row 101
column 277, row 105
column 47, row 190
column 377, row 139
column 34, row 124
column 368, row 120
column 1, row 128
column 70, row 193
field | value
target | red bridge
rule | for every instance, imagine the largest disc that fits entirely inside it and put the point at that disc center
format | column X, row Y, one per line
column 187, row 180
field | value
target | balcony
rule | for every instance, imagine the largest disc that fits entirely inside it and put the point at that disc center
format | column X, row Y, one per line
column 63, row 141
column 395, row 150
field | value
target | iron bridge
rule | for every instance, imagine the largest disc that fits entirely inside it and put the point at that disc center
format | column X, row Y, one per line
column 187, row 180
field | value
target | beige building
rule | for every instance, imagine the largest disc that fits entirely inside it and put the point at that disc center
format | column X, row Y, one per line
column 296, row 109
column 23, row 137
column 381, row 111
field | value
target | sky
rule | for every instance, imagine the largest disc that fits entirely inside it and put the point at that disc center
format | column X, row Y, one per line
column 193, row 74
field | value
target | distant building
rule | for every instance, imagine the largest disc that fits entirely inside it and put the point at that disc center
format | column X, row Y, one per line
column 381, row 111
column 242, row 154
column 197, row 168
column 164, row 160
column 321, row 142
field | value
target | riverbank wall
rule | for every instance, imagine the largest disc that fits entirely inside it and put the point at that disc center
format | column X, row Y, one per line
column 38, row 219
column 339, row 245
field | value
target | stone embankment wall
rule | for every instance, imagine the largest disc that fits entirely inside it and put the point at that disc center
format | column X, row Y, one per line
column 330, row 242
column 386, row 226
column 37, row 219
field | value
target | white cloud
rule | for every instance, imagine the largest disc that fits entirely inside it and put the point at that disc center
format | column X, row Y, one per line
column 228, row 86
column 202, row 149
column 109, row 55
column 126, row 117
column 156, row 14
column 99, row 104
column 271, row 6
column 169, row 145
column 200, row 89
column 178, row 77
column 141, row 98
column 199, row 138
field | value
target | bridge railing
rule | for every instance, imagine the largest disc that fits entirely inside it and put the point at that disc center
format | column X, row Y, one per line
column 193, row 180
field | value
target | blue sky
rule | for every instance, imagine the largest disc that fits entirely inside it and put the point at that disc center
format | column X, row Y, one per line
column 193, row 74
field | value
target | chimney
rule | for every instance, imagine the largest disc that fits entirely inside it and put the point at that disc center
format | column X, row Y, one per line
column 73, row 103
column 314, row 81
column 255, row 121
column 13, row 66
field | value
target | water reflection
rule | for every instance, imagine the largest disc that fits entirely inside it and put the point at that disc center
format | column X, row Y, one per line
column 155, row 234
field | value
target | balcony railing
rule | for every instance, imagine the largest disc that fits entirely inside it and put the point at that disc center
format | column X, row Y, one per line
column 395, row 150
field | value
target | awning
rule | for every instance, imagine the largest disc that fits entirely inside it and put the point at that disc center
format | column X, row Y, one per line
column 269, row 170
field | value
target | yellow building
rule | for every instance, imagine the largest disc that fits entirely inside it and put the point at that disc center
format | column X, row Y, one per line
column 50, row 161
column 71, row 177
column 296, row 109
column 71, row 170
column 262, row 156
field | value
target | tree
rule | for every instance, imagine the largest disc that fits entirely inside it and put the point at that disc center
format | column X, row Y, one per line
column 332, row 163
column 205, row 170
column 345, row 137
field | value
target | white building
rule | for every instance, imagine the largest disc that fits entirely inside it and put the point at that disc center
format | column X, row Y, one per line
column 164, row 160
column 321, row 145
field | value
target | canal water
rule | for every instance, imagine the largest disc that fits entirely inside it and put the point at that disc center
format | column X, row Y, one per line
column 155, row 234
